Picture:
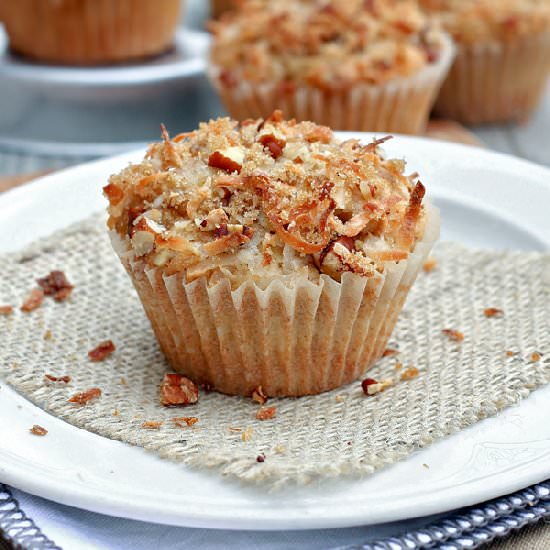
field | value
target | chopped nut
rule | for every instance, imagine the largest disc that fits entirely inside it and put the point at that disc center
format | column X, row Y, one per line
column 230, row 159
column 266, row 413
column 510, row 353
column 247, row 434
column 386, row 383
column 273, row 144
column 116, row 412
column 33, row 300
column 409, row 373
column 259, row 396
column 493, row 312
column 454, row 335
column 235, row 430
column 56, row 284
column 430, row 264
column 185, row 421
column 152, row 425
column 389, row 352
column 177, row 389
column 280, row 449
column 123, row 381
column 85, row 397
column 398, row 366
column 6, row 310
column 102, row 351
column 48, row 335
column 371, row 386
column 339, row 398
column 426, row 466
column 535, row 356
column 56, row 379
column 113, row 193
column 38, row 430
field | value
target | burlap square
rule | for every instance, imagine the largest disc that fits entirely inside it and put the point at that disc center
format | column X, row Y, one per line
column 336, row 433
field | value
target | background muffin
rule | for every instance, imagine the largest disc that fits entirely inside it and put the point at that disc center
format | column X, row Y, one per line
column 350, row 64
column 268, row 253
column 503, row 58
column 220, row 6
column 90, row 32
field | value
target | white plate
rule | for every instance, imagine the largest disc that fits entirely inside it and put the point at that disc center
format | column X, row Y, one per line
column 488, row 200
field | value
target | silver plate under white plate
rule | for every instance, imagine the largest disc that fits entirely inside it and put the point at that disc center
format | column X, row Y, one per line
column 85, row 112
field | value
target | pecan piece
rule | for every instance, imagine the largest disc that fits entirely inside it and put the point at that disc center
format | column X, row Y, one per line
column 429, row 265
column 266, row 413
column 33, row 300
column 273, row 144
column 56, row 284
column 389, row 352
column 113, row 193
column 38, row 430
column 55, row 379
column 102, row 351
column 177, row 389
column 185, row 421
column 6, row 310
column 454, row 335
column 84, row 397
column 230, row 159
column 410, row 373
column 259, row 396
column 493, row 312
column 152, row 425
column 371, row 386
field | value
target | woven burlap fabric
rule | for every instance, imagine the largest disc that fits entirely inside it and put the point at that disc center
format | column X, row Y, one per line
column 340, row 432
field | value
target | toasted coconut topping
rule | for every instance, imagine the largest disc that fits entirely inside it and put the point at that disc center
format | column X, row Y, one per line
column 329, row 44
column 269, row 197
column 475, row 21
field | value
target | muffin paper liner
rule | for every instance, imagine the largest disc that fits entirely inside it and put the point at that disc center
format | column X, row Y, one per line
column 295, row 337
column 496, row 82
column 90, row 31
column 401, row 105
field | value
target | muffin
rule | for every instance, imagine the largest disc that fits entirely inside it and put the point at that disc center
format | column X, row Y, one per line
column 90, row 32
column 503, row 58
column 348, row 64
column 268, row 253
column 220, row 6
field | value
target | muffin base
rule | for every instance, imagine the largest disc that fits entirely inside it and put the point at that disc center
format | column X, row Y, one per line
column 90, row 32
column 491, row 83
column 400, row 106
column 292, row 338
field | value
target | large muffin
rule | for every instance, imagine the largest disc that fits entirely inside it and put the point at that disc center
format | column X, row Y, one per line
column 349, row 64
column 89, row 32
column 503, row 58
column 269, row 253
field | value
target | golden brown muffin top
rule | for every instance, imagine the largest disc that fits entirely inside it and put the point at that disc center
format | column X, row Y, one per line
column 475, row 21
column 329, row 44
column 265, row 198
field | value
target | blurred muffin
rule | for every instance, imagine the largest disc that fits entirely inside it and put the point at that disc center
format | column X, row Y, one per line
column 503, row 58
column 220, row 6
column 269, row 253
column 90, row 32
column 349, row 64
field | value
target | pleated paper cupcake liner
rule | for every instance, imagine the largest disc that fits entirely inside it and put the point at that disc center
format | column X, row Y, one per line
column 90, row 32
column 491, row 83
column 401, row 105
column 295, row 337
